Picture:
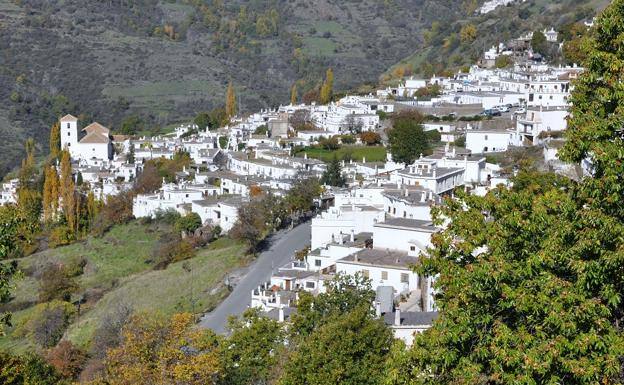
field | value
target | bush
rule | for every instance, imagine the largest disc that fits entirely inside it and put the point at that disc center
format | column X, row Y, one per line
column 60, row 235
column 171, row 248
column 169, row 216
column 47, row 323
column 370, row 138
column 347, row 139
column 433, row 136
column 56, row 282
column 188, row 223
column 460, row 142
column 329, row 143
column 67, row 359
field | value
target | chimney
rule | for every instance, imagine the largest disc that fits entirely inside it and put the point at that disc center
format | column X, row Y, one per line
column 363, row 159
column 377, row 309
column 397, row 317
column 280, row 314
column 406, row 192
column 352, row 239
column 423, row 196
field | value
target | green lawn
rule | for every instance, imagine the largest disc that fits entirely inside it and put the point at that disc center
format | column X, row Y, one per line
column 357, row 153
column 118, row 264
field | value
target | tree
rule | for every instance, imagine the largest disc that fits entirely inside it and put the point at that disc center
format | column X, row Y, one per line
column 202, row 120
column 301, row 196
column 301, row 120
column 539, row 43
column 407, row 138
column 468, row 33
column 333, row 174
column 344, row 294
column 370, row 138
column 230, row 101
column 327, row 89
column 29, row 369
column 67, row 191
column 353, row 125
column 131, row 125
column 156, row 351
column 55, row 140
column 349, row 349
column 7, row 271
column 130, row 159
column 67, row 359
column 50, row 194
column 188, row 223
column 252, row 350
column 293, row 95
column 503, row 61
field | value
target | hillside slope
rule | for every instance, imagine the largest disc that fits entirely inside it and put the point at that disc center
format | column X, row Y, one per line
column 167, row 60
column 447, row 46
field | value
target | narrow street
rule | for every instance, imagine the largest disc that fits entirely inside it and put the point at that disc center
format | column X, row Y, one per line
column 283, row 245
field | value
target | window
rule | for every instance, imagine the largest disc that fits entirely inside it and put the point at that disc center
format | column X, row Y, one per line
column 486, row 137
column 67, row 125
column 384, row 275
column 69, row 134
column 412, row 248
column 317, row 262
column 404, row 278
column 310, row 285
column 365, row 273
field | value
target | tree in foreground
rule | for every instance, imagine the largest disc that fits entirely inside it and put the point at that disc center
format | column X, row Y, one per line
column 407, row 138
column 155, row 351
column 529, row 279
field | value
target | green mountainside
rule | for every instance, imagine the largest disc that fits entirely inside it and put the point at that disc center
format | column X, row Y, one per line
column 167, row 60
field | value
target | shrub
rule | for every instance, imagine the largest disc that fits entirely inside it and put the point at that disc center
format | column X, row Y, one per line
column 67, row 359
column 47, row 323
column 188, row 223
column 370, row 138
column 56, row 282
column 347, row 139
column 60, row 235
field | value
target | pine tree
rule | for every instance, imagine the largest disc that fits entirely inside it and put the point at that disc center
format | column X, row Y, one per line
column 55, row 141
column 327, row 89
column 333, row 175
column 293, row 95
column 230, row 101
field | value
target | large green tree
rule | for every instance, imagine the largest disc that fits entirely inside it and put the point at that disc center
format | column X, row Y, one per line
column 530, row 279
column 333, row 174
column 407, row 138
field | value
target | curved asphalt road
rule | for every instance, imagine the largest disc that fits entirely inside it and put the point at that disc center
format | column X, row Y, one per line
column 283, row 246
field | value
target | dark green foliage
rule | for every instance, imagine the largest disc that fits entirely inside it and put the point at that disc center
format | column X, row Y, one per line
column 188, row 223
column 132, row 125
column 7, row 271
column 333, row 174
column 407, row 138
column 539, row 43
column 252, row 350
column 261, row 130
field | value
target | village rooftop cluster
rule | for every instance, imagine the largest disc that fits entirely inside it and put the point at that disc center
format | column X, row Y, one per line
column 380, row 223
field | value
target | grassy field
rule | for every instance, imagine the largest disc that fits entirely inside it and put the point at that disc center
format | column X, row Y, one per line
column 357, row 153
column 119, row 267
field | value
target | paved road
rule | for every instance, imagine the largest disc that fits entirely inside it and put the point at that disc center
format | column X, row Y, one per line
column 283, row 245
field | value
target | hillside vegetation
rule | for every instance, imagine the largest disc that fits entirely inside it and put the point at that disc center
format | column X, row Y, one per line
column 450, row 45
column 113, row 276
column 167, row 60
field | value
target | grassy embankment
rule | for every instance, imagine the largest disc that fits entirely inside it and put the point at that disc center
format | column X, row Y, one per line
column 119, row 269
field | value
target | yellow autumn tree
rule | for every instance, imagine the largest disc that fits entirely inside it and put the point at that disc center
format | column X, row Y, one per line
column 230, row 101
column 293, row 94
column 327, row 89
column 159, row 352
column 55, row 140
column 50, row 194
column 468, row 33
column 67, row 190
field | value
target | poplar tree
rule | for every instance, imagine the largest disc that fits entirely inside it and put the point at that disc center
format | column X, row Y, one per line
column 67, row 189
column 50, row 194
column 230, row 101
column 55, row 141
column 293, row 95
column 327, row 88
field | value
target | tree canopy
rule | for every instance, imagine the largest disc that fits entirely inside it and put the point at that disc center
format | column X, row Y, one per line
column 407, row 138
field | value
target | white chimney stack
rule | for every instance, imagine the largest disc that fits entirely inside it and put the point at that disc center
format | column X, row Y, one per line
column 397, row 317
column 280, row 314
